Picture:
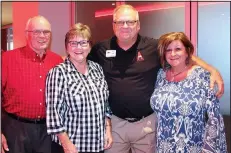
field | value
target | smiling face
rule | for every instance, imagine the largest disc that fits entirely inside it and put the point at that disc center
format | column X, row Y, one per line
column 38, row 34
column 126, row 31
column 78, row 48
column 174, row 48
column 176, row 54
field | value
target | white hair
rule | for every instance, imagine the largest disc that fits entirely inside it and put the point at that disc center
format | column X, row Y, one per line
column 28, row 24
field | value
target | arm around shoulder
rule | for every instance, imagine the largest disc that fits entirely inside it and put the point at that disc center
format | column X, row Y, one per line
column 215, row 75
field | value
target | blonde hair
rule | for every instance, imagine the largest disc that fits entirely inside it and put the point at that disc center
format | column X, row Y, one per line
column 167, row 39
column 78, row 29
column 125, row 6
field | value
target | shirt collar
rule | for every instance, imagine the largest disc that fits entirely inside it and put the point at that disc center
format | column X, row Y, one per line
column 114, row 44
column 31, row 54
column 71, row 68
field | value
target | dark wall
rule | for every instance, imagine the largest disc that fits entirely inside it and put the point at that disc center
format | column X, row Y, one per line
column 4, row 39
column 101, row 28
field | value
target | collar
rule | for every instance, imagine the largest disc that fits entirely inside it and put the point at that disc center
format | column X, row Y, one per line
column 70, row 67
column 114, row 45
column 31, row 54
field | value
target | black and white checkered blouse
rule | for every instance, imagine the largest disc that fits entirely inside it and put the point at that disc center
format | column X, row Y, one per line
column 77, row 104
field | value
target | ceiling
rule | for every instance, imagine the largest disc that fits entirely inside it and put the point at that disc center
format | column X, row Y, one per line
column 6, row 13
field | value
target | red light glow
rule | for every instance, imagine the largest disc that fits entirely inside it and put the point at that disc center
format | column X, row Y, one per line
column 154, row 7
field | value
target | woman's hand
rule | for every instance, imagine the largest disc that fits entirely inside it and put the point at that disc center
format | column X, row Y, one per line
column 108, row 137
column 69, row 147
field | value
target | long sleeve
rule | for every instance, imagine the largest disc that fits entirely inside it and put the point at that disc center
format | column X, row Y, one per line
column 56, row 107
column 108, row 110
column 4, row 71
column 214, row 138
column 107, row 107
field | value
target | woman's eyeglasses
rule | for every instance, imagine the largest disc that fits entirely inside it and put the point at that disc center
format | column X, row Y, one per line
column 83, row 43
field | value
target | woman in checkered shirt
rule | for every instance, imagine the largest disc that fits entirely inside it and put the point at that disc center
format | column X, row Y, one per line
column 78, row 115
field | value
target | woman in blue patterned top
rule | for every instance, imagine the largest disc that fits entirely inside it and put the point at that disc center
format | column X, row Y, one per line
column 189, row 118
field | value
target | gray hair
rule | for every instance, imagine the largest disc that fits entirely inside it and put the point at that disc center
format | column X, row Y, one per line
column 28, row 24
column 125, row 6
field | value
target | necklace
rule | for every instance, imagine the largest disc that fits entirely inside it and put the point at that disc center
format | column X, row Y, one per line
column 174, row 75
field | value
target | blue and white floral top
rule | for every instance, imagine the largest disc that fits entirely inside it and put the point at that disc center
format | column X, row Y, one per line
column 189, row 118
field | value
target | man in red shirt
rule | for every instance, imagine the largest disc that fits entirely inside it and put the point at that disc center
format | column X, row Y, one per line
column 24, row 72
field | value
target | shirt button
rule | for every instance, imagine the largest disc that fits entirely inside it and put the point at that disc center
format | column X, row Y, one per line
column 40, row 76
column 38, row 116
column 34, row 59
column 40, row 63
column 40, row 90
column 40, row 103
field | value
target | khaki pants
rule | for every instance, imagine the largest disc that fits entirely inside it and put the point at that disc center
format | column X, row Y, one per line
column 136, row 137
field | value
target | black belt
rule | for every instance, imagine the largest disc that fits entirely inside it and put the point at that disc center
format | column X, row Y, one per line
column 27, row 120
column 131, row 120
column 135, row 119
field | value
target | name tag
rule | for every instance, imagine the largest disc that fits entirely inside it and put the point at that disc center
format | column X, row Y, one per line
column 111, row 53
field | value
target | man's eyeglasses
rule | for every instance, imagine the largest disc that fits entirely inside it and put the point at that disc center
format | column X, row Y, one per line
column 128, row 23
column 83, row 43
column 38, row 32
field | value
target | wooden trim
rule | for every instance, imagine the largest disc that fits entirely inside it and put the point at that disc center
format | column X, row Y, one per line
column 72, row 13
column 194, row 25
column 7, row 26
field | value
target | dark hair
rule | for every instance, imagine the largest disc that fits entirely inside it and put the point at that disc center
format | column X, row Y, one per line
column 167, row 39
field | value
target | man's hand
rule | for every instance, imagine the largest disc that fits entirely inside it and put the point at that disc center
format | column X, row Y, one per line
column 216, row 78
column 108, row 138
column 215, row 75
column 4, row 144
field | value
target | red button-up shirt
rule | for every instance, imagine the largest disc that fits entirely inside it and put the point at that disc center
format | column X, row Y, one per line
column 23, row 81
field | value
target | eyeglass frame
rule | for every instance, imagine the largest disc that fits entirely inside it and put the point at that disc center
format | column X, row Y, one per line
column 168, row 52
column 38, row 32
column 121, row 23
column 79, row 43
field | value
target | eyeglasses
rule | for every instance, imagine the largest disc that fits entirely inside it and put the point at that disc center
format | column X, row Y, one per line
column 38, row 32
column 83, row 43
column 176, row 50
column 128, row 23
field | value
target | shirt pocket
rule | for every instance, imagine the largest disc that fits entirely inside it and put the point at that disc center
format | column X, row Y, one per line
column 75, row 88
column 100, row 83
column 101, row 86
column 76, row 95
